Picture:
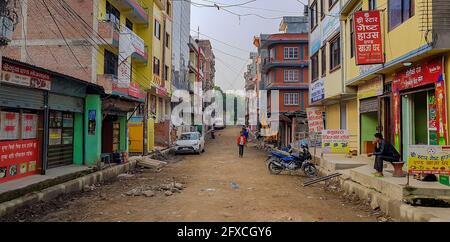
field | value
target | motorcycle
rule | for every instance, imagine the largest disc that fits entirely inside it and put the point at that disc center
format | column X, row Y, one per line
column 282, row 160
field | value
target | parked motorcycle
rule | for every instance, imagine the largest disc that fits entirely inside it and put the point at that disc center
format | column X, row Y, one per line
column 282, row 160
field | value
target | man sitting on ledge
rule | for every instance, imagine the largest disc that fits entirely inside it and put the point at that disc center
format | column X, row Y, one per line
column 383, row 152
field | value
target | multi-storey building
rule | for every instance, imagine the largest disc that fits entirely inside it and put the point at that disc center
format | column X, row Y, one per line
column 327, row 87
column 286, row 73
column 250, row 77
column 180, row 41
column 104, row 42
column 405, row 95
column 210, row 65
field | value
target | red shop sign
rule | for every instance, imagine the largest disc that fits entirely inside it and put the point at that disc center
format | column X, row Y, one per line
column 368, row 42
column 18, row 159
column 419, row 75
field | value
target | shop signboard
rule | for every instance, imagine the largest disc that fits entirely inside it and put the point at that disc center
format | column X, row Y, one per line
column 371, row 88
column 317, row 91
column 18, row 159
column 429, row 159
column 368, row 42
column 315, row 119
column 24, row 77
column 135, row 91
column 426, row 73
column 335, row 141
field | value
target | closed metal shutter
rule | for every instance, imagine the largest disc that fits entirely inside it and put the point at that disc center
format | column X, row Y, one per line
column 65, row 103
column 16, row 97
column 368, row 105
column 60, row 155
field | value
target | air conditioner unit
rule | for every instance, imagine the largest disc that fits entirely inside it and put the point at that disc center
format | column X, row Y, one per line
column 6, row 30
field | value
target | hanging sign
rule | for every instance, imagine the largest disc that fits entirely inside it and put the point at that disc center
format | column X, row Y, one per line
column 368, row 42
column 24, row 77
column 18, row 159
column 335, row 141
column 429, row 159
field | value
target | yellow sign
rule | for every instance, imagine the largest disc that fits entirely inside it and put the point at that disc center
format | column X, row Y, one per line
column 335, row 141
column 371, row 88
column 429, row 159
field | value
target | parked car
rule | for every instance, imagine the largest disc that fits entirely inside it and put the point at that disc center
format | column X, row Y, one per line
column 190, row 142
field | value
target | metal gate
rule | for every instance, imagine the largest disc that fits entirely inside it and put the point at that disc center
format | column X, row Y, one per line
column 14, row 97
column 62, row 109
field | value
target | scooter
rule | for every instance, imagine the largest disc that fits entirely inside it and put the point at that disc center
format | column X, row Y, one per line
column 280, row 160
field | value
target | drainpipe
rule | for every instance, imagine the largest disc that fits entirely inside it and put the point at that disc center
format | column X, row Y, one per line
column 46, row 135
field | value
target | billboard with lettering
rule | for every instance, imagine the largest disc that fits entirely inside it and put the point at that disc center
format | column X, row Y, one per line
column 368, row 42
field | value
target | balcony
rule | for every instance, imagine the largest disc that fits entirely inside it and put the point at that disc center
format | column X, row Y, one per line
column 110, row 32
column 110, row 83
column 135, row 10
column 272, row 63
column 141, row 56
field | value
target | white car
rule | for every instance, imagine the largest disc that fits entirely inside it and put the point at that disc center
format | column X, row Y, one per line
column 190, row 142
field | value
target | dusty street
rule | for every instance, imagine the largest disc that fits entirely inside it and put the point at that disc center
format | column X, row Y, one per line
column 219, row 186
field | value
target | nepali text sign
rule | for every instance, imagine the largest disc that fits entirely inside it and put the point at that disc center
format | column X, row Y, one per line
column 368, row 43
column 317, row 91
column 18, row 159
column 429, row 159
column 24, row 77
column 315, row 119
column 371, row 88
column 335, row 141
column 418, row 75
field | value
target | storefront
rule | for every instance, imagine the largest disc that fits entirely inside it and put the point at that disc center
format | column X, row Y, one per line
column 369, row 112
column 419, row 106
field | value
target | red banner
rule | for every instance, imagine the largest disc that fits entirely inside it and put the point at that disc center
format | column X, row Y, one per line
column 419, row 75
column 25, row 77
column 18, row 159
column 368, row 42
column 135, row 91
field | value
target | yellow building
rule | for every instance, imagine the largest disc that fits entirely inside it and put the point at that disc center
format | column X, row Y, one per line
column 327, row 86
column 405, row 96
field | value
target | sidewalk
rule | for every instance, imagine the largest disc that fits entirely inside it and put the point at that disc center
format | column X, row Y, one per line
column 389, row 193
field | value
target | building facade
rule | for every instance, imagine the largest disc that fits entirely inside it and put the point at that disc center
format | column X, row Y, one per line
column 285, row 71
column 405, row 96
column 180, row 41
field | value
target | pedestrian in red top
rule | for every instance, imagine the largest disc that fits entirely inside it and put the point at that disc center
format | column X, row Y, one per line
column 241, row 142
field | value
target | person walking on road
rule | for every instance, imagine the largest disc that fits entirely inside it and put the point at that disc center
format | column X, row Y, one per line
column 241, row 142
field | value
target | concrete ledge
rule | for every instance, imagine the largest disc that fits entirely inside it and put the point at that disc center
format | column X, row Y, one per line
column 75, row 185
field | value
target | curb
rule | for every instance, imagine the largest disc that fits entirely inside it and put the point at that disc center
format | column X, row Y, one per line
column 75, row 185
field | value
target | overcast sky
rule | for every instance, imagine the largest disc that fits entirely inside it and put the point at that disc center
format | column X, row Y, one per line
column 236, row 32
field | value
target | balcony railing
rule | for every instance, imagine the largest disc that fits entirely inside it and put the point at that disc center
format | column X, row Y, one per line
column 139, row 11
column 273, row 63
column 110, row 83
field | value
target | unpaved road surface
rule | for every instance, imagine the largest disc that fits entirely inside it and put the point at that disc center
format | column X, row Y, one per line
column 218, row 186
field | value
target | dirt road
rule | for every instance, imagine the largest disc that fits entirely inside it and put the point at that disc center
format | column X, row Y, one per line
column 219, row 186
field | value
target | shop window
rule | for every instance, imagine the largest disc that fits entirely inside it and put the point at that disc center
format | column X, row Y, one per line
column 60, row 128
column 399, row 11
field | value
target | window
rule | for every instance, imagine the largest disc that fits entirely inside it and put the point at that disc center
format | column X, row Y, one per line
column 167, row 40
column 157, row 30
column 169, row 8
column 291, row 75
column 156, row 66
column 60, row 128
column 129, row 24
column 112, row 14
column 111, row 63
column 291, row 99
column 314, row 67
column 399, row 12
column 313, row 15
column 372, row 4
column 166, row 73
column 323, row 57
column 335, row 53
column 322, row 9
column 290, row 53
column 331, row 3
column 352, row 39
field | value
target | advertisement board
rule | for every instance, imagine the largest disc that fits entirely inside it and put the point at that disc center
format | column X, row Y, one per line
column 429, row 159
column 18, row 159
column 315, row 119
column 368, row 38
column 316, row 91
column 335, row 141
